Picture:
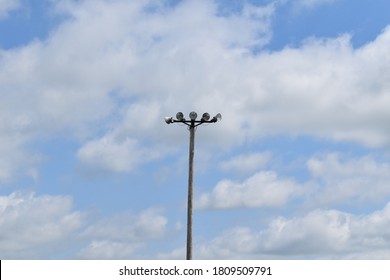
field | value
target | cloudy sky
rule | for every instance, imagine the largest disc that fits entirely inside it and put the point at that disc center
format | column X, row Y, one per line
column 298, row 168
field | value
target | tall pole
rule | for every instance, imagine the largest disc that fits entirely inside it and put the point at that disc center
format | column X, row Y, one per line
column 192, row 124
column 190, row 190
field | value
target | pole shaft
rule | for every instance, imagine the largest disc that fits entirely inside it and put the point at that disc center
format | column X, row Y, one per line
column 190, row 191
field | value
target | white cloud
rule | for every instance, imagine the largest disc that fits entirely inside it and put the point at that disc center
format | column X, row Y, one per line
column 110, row 72
column 136, row 53
column 95, row 65
column 7, row 6
column 318, row 234
column 122, row 150
column 111, row 155
column 263, row 189
column 323, row 90
column 334, row 180
column 177, row 254
column 147, row 224
column 349, row 181
column 46, row 227
column 108, row 250
column 46, row 108
column 318, row 231
column 246, row 164
column 12, row 158
column 120, row 237
column 33, row 226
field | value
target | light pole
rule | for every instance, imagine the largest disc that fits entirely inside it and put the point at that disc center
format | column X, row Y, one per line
column 192, row 123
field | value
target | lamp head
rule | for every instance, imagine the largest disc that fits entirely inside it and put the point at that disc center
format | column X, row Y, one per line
column 193, row 115
column 205, row 117
column 217, row 117
column 168, row 120
column 180, row 116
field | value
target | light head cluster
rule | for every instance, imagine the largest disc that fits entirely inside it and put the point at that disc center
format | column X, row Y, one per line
column 192, row 118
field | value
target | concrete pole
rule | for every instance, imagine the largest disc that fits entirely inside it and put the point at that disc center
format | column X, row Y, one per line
column 190, row 191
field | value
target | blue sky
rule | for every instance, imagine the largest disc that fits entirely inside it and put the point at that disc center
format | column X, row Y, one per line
column 298, row 168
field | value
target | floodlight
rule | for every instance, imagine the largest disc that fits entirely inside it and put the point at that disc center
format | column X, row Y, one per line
column 217, row 117
column 168, row 120
column 180, row 116
column 205, row 117
column 193, row 115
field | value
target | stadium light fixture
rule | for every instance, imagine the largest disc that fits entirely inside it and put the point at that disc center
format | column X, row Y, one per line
column 192, row 124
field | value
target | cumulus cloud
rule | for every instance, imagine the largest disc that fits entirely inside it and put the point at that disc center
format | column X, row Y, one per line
column 141, row 56
column 43, row 226
column 122, row 149
column 334, row 179
column 77, row 75
column 108, row 154
column 33, row 226
column 246, row 164
column 109, row 73
column 349, row 181
column 323, row 90
column 14, row 159
column 325, row 233
column 263, row 189
column 120, row 237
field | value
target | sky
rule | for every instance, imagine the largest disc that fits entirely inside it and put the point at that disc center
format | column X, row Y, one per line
column 298, row 167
